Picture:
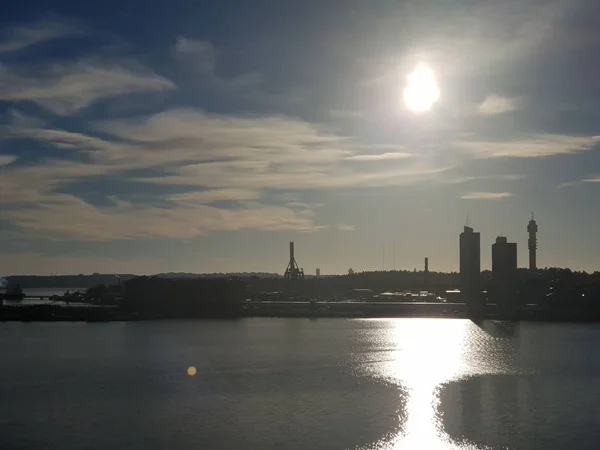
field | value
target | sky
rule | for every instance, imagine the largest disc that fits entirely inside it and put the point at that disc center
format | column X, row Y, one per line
column 203, row 136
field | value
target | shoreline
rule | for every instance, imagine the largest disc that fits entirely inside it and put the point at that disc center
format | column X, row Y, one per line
column 51, row 313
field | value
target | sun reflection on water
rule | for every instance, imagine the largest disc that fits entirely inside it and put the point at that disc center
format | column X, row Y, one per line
column 425, row 354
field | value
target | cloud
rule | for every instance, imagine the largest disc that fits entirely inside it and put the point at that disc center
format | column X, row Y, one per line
column 494, row 105
column 343, row 227
column 200, row 58
column 19, row 38
column 41, row 264
column 466, row 179
column 200, row 54
column 67, row 88
column 5, row 160
column 215, row 195
column 245, row 159
column 530, row 146
column 486, row 195
column 594, row 179
column 346, row 114
column 178, row 220
column 380, row 157
column 493, row 37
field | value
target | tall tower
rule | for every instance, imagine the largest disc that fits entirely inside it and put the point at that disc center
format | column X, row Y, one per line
column 293, row 272
column 504, row 284
column 532, row 243
column 470, row 271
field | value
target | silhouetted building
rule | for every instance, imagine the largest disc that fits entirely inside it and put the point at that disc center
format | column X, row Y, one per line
column 293, row 272
column 318, row 274
column 470, row 271
column 532, row 243
column 426, row 273
column 504, row 286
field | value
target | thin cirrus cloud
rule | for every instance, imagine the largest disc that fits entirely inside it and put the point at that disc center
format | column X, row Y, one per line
column 217, row 158
column 589, row 180
column 44, row 264
column 380, row 157
column 20, row 37
column 344, row 227
column 123, row 220
column 5, row 160
column 200, row 54
column 502, row 177
column 67, row 88
column 486, row 195
column 199, row 58
column 495, row 105
column 528, row 146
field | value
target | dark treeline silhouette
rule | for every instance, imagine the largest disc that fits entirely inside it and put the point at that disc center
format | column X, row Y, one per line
column 66, row 281
column 378, row 281
column 87, row 281
column 154, row 297
column 178, row 275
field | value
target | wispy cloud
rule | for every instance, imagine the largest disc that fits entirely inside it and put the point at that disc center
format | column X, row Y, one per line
column 344, row 227
column 177, row 220
column 594, row 179
column 530, row 146
column 215, row 195
column 490, row 38
column 486, row 195
column 466, row 179
column 219, row 158
column 21, row 37
column 7, row 159
column 39, row 263
column 199, row 54
column 380, row 157
column 200, row 59
column 346, row 114
column 67, row 88
column 495, row 104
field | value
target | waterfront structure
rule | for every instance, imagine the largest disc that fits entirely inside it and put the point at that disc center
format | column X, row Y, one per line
column 532, row 243
column 504, row 283
column 318, row 273
column 470, row 271
column 293, row 272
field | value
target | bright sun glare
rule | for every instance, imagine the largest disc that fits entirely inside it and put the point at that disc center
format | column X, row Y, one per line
column 421, row 91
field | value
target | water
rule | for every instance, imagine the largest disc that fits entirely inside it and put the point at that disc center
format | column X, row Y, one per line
column 44, row 292
column 299, row 384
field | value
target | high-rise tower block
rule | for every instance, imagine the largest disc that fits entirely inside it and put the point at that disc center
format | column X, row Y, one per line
column 504, row 284
column 470, row 272
column 532, row 243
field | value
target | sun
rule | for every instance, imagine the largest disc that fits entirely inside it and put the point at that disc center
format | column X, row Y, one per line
column 421, row 91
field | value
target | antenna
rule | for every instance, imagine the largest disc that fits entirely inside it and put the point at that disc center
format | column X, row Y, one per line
column 468, row 221
column 532, row 216
column 394, row 256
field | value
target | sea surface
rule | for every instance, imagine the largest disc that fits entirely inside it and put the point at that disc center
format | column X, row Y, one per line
column 300, row 384
column 44, row 292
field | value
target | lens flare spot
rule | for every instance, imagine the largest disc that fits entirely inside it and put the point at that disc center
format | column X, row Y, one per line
column 191, row 371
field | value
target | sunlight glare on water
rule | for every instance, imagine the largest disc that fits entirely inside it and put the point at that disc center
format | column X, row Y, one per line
column 424, row 354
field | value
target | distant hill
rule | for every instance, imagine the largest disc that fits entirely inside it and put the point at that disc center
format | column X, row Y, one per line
column 179, row 275
column 86, row 281
column 66, row 281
